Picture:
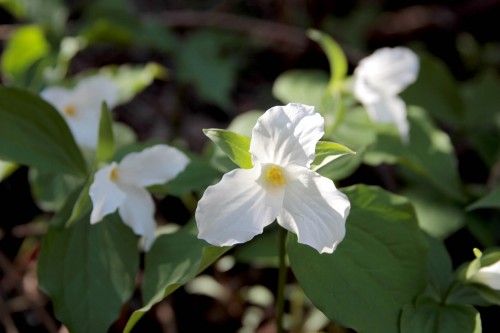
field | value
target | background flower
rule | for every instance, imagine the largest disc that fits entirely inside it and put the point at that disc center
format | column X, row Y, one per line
column 81, row 106
column 378, row 80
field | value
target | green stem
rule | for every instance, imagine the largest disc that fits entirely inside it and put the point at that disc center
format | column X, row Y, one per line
column 280, row 300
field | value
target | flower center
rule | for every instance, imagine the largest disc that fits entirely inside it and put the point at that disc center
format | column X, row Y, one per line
column 113, row 175
column 274, row 176
column 69, row 110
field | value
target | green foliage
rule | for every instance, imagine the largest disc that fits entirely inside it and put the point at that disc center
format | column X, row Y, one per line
column 32, row 132
column 490, row 200
column 301, row 86
column 26, row 48
column 88, row 270
column 234, row 145
column 377, row 269
column 173, row 260
column 106, row 141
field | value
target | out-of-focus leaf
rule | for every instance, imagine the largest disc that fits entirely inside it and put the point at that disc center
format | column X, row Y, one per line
column 88, row 270
column 208, row 61
column 429, row 316
column 440, row 269
column 436, row 91
column 32, row 132
column 49, row 13
column 132, row 79
column 173, row 260
column 244, row 123
column 25, row 48
column 482, row 116
column 491, row 200
column 301, row 86
column 234, row 145
column 262, row 251
column 380, row 266
column 50, row 190
column 335, row 55
column 6, row 169
column 437, row 215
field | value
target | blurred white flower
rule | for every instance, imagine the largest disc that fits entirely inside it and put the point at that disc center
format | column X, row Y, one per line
column 81, row 106
column 280, row 185
column 378, row 80
column 488, row 275
column 122, row 186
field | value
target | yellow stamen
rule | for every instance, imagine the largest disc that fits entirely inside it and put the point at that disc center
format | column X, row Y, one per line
column 275, row 176
column 113, row 175
column 70, row 110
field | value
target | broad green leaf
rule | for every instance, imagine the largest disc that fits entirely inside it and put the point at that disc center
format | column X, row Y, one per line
column 326, row 152
column 106, row 142
column 26, row 47
column 262, row 251
column 32, row 132
column 491, row 200
column 335, row 55
column 380, row 266
column 88, row 271
column 173, row 260
column 301, row 86
column 49, row 189
column 436, row 91
column 235, row 146
column 428, row 316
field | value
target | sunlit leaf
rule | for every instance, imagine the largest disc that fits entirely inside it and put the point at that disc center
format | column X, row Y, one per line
column 491, row 200
column 326, row 152
column 235, row 146
column 301, row 86
column 380, row 266
column 106, row 142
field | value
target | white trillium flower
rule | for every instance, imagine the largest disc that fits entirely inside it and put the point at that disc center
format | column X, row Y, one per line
column 279, row 186
column 122, row 186
column 378, row 80
column 488, row 275
column 81, row 106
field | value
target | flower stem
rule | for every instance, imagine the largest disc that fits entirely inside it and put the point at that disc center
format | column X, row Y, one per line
column 280, row 299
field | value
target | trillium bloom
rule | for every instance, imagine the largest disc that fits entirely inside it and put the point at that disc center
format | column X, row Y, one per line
column 488, row 275
column 279, row 186
column 122, row 186
column 379, row 79
column 81, row 106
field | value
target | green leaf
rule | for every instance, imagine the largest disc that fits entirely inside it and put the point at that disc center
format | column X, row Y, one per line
column 440, row 269
column 173, row 260
column 380, row 266
column 50, row 189
column 32, row 132
column 335, row 55
column 235, row 146
column 106, row 142
column 326, row 152
column 262, row 251
column 207, row 61
column 491, row 200
column 6, row 169
column 88, row 271
column 131, row 79
column 436, row 91
column 428, row 316
column 301, row 86
column 25, row 48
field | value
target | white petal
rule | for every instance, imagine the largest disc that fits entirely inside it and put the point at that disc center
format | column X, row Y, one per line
column 392, row 110
column 106, row 196
column 85, row 127
column 137, row 211
column 286, row 135
column 489, row 275
column 154, row 165
column 92, row 91
column 237, row 208
column 57, row 96
column 314, row 209
column 387, row 71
